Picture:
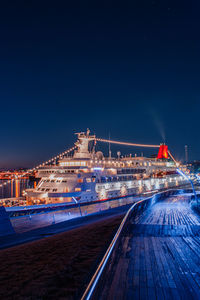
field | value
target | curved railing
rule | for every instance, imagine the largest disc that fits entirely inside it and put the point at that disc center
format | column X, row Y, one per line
column 136, row 207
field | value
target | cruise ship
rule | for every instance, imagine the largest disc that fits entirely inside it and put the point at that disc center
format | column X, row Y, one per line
column 89, row 176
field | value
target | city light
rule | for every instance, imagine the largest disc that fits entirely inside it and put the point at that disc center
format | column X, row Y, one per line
column 42, row 164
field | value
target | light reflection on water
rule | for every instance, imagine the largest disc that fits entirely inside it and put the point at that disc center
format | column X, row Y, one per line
column 14, row 187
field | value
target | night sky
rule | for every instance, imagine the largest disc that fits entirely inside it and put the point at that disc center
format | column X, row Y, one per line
column 128, row 68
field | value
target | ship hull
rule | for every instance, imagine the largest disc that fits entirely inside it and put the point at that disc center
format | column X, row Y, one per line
column 107, row 191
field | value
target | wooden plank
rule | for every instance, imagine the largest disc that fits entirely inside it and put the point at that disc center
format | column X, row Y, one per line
column 159, row 255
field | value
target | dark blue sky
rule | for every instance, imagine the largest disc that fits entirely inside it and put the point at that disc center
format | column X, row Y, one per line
column 131, row 68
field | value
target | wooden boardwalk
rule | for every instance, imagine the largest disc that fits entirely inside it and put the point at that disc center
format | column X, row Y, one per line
column 158, row 256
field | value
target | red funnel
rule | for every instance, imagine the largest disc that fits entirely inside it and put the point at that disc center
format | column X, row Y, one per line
column 163, row 152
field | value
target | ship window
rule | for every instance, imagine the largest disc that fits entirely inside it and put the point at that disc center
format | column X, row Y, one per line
column 47, row 190
column 54, row 190
column 42, row 190
column 57, row 180
column 52, row 180
column 64, row 181
column 48, row 180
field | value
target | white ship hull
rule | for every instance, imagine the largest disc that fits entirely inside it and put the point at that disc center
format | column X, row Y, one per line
column 107, row 191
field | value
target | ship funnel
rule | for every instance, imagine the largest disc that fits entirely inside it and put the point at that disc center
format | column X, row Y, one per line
column 163, row 151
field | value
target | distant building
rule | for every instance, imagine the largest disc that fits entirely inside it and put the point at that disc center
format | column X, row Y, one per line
column 195, row 166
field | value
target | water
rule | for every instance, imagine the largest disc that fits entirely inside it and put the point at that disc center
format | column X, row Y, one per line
column 14, row 187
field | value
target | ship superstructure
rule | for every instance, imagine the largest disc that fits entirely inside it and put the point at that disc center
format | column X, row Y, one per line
column 88, row 176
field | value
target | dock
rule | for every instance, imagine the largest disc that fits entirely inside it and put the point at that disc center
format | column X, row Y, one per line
column 158, row 256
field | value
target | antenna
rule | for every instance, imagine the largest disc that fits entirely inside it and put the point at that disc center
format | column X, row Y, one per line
column 118, row 154
column 186, row 154
column 109, row 147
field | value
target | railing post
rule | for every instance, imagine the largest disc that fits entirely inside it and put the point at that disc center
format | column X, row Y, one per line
column 78, row 205
column 53, row 219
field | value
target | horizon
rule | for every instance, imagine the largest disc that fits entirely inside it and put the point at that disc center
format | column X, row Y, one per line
column 125, row 151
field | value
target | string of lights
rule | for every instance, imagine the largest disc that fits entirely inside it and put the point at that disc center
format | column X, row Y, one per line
column 172, row 157
column 127, row 144
column 59, row 156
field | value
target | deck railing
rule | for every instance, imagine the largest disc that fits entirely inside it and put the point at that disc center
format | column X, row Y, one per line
column 135, row 208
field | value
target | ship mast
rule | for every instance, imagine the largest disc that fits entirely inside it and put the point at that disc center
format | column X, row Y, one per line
column 83, row 143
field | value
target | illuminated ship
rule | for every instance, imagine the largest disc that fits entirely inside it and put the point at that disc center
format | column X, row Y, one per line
column 89, row 176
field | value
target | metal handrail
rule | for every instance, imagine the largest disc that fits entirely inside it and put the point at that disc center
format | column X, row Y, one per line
column 93, row 282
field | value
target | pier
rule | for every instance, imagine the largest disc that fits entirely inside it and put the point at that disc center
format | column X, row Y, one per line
column 156, row 255
column 152, row 254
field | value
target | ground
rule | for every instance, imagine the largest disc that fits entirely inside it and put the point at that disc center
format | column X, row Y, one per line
column 57, row 267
